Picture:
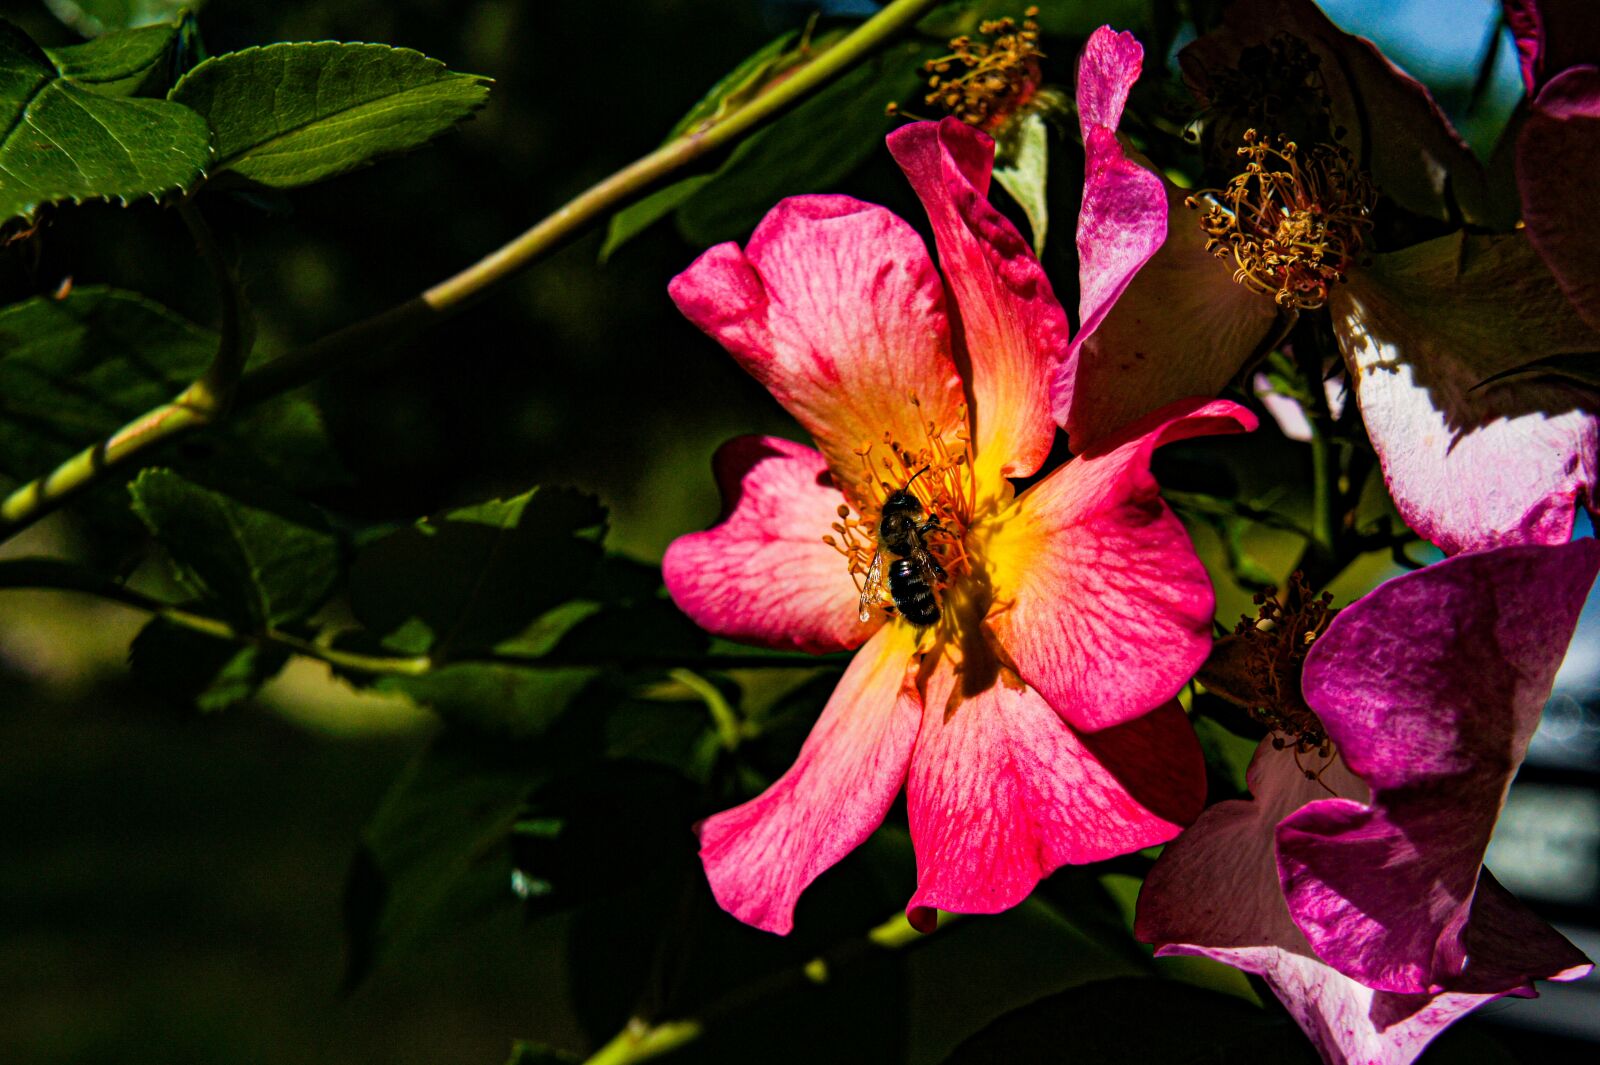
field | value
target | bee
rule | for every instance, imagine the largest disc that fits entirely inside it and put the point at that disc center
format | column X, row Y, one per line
column 913, row 571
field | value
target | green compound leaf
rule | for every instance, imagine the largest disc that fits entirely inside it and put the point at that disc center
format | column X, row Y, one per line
column 94, row 17
column 62, row 141
column 75, row 370
column 476, row 576
column 197, row 670
column 124, row 63
column 292, row 114
column 260, row 567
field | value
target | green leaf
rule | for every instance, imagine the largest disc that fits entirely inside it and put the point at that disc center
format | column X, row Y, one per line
column 478, row 575
column 65, row 141
column 437, row 853
column 1132, row 1020
column 292, row 114
column 75, row 370
column 1024, row 171
column 261, row 567
column 123, row 63
column 94, row 17
column 811, row 148
column 198, row 670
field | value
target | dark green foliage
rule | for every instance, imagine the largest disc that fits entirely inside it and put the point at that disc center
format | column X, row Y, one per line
column 1131, row 1021
column 69, row 141
column 478, row 575
column 135, row 62
column 257, row 567
column 94, row 17
column 205, row 672
column 287, row 115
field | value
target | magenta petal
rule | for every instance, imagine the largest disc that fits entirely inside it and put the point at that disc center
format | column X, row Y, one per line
column 836, row 308
column 1430, row 687
column 760, row 856
column 762, row 574
column 1011, row 331
column 1214, row 892
column 1002, row 792
column 1123, row 216
column 1558, row 155
column 1108, row 608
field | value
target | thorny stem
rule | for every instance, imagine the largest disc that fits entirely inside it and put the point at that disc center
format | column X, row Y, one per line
column 641, row 1040
column 196, row 407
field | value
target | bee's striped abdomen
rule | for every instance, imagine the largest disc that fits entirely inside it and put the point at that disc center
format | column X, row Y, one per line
column 912, row 594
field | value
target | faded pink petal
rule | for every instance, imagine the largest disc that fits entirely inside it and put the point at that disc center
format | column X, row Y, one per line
column 1470, row 467
column 1430, row 687
column 1287, row 412
column 1002, row 792
column 1558, row 155
column 1179, row 328
column 1551, row 36
column 1123, row 216
column 1397, row 132
column 836, row 308
column 761, row 855
column 1104, row 607
column 1214, row 892
column 1009, row 329
column 762, row 574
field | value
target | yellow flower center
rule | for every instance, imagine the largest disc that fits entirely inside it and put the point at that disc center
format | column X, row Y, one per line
column 936, row 472
column 998, row 72
column 1292, row 222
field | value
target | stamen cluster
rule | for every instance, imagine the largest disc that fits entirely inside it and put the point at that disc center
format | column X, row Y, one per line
column 1293, row 221
column 947, row 491
column 999, row 72
column 1277, row 640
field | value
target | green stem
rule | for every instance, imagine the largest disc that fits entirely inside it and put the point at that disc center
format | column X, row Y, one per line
column 729, row 729
column 214, row 391
column 55, row 575
column 193, row 409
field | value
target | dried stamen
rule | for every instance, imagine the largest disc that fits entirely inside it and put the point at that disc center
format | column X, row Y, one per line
column 998, row 72
column 1293, row 221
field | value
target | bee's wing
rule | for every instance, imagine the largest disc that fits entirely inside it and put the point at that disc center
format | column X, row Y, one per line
column 872, row 590
column 932, row 572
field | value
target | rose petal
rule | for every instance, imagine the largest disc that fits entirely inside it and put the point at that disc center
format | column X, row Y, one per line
column 1431, row 687
column 1558, row 154
column 762, row 574
column 1421, row 330
column 1551, row 36
column 1214, row 893
column 760, row 856
column 1179, row 328
column 1123, row 216
column 1010, row 329
column 1002, row 792
column 1393, row 126
column 1104, row 607
column 836, row 308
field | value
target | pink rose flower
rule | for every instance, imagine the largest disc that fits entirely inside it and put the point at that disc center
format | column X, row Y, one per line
column 1032, row 723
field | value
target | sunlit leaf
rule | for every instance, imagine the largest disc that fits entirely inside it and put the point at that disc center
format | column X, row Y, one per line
column 123, row 63
column 67, row 142
column 291, row 114
column 1025, row 170
column 260, row 567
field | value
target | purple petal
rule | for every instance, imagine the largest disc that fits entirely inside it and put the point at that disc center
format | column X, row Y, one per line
column 1430, row 687
column 1558, row 154
column 1551, row 36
